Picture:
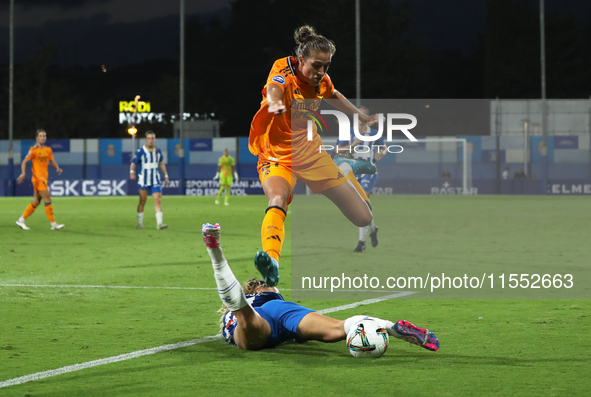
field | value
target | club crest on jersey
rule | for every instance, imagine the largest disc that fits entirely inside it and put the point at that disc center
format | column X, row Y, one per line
column 279, row 79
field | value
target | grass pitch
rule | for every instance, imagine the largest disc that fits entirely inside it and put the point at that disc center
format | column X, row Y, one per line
column 56, row 309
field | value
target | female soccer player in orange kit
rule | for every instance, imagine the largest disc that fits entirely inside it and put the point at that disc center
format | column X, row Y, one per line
column 285, row 153
column 40, row 157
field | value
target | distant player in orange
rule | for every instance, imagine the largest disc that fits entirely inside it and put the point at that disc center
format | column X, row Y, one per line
column 40, row 157
column 286, row 155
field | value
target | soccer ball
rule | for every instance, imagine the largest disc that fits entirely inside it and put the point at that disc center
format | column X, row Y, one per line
column 367, row 338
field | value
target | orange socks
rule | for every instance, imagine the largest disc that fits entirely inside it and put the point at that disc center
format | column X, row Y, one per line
column 49, row 212
column 272, row 231
column 30, row 209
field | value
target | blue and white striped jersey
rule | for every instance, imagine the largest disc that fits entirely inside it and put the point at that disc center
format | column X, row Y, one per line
column 229, row 321
column 146, row 165
column 363, row 153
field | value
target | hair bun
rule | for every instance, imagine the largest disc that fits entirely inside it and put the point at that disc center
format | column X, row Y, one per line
column 309, row 42
column 303, row 33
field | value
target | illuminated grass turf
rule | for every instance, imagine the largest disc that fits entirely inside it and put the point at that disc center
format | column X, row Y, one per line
column 488, row 347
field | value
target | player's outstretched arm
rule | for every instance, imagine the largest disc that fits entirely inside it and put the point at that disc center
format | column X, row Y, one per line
column 21, row 177
column 275, row 99
column 54, row 165
column 344, row 105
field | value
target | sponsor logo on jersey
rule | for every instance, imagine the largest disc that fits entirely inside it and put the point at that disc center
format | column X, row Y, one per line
column 279, row 79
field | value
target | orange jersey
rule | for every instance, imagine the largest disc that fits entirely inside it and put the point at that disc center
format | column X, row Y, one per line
column 273, row 136
column 40, row 158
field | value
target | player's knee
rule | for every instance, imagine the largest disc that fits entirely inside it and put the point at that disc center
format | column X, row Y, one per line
column 278, row 201
column 363, row 220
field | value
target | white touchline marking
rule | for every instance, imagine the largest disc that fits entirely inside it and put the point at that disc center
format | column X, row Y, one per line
column 365, row 302
column 153, row 350
column 99, row 286
column 108, row 360
column 180, row 288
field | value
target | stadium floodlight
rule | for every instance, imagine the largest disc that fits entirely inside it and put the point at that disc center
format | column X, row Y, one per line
column 132, row 131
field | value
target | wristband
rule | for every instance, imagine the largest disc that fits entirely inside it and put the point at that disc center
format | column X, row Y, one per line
column 131, row 171
column 165, row 176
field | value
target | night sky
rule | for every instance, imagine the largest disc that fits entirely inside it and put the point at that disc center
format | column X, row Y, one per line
column 96, row 32
column 443, row 49
column 119, row 32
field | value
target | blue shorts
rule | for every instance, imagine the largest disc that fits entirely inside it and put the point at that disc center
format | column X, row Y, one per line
column 151, row 189
column 367, row 181
column 284, row 318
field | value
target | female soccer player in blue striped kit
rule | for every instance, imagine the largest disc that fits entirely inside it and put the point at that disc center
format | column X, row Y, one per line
column 376, row 152
column 261, row 318
column 147, row 159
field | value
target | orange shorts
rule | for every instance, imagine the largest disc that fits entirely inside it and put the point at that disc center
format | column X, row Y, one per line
column 39, row 184
column 320, row 174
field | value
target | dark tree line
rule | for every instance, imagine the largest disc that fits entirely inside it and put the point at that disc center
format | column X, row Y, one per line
column 227, row 62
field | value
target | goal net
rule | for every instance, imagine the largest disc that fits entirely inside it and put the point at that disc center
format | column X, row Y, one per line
column 433, row 161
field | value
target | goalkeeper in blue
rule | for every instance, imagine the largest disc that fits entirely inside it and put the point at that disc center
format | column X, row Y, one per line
column 257, row 317
column 362, row 158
